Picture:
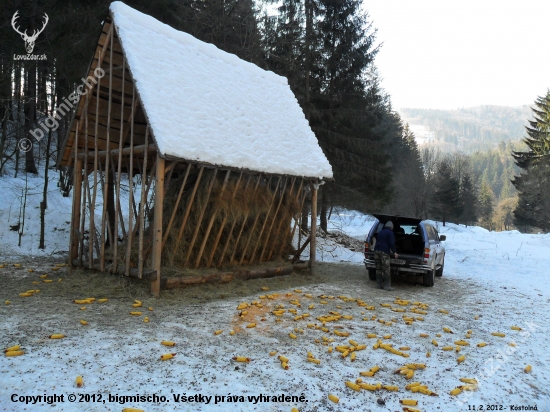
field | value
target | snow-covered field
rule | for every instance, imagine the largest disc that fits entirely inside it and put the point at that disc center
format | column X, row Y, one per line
column 500, row 278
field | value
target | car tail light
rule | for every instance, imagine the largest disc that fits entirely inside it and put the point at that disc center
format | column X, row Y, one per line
column 366, row 247
column 426, row 253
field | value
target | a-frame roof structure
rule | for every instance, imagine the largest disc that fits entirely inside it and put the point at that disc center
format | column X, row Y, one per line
column 201, row 104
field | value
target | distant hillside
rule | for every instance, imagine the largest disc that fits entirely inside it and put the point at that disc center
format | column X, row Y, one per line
column 467, row 130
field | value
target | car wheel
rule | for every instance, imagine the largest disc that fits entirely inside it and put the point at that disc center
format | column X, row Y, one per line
column 372, row 274
column 429, row 278
column 439, row 272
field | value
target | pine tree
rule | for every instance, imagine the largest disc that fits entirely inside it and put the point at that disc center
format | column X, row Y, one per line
column 533, row 184
column 446, row 199
column 468, row 200
column 486, row 206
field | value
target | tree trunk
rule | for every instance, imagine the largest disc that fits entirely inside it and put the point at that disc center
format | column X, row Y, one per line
column 30, row 120
column 44, row 203
column 111, row 209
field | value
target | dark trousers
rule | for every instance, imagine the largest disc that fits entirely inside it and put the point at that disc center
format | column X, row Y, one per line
column 383, row 273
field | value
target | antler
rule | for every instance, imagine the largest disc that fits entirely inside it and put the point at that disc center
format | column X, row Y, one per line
column 13, row 19
column 37, row 32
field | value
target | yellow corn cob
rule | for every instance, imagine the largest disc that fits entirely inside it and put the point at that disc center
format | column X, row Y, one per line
column 353, row 386
column 469, row 387
column 82, row 301
column 330, row 349
column 284, row 365
column 57, row 336
column 167, row 356
column 251, row 325
column 447, row 348
column 83, row 322
column 476, row 317
column 135, row 313
column 7, row 302
column 12, row 348
column 456, row 391
column 375, row 369
column 462, row 343
column 409, row 374
column 438, row 335
column 137, row 304
column 17, row 265
column 47, row 281
column 457, row 349
column 409, row 402
column 273, row 353
column 241, row 359
column 132, row 410
column 292, row 335
column 424, row 335
column 283, row 358
column 461, row 359
column 443, row 311
column 25, row 294
column 325, row 329
column 102, row 300
column 345, row 353
column 386, row 305
column 376, row 345
column 168, row 343
column 14, row 353
column 528, row 369
column 481, row 344
column 368, row 386
column 447, row 330
column 79, row 382
column 512, row 344
column 361, row 347
column 498, row 334
column 404, row 348
column 415, row 366
column 242, row 306
column 387, row 336
column 146, row 319
column 352, row 357
column 83, row 308
column 333, row 398
column 412, row 385
column 469, row 380
column 426, row 391
column 515, row 328
column 428, row 354
column 353, row 342
column 316, row 361
column 391, row 388
column 371, row 335
column 368, row 374
column 219, row 331
column 294, row 410
column 435, row 342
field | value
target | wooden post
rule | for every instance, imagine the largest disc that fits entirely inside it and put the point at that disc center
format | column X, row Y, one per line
column 313, row 243
column 201, row 215
column 187, row 210
column 142, row 206
column 96, row 140
column 75, row 221
column 222, row 226
column 107, row 163
column 280, row 224
column 157, row 225
column 175, row 210
column 119, row 170
column 212, row 218
column 130, row 191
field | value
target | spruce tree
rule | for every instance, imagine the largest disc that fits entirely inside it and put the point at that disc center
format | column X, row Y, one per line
column 446, row 203
column 468, row 200
column 533, row 184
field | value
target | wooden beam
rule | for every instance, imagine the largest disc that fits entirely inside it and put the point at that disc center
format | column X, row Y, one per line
column 314, row 188
column 242, row 227
column 75, row 216
column 127, row 150
column 177, row 204
column 131, row 190
column 201, row 215
column 274, row 219
column 93, row 200
column 142, row 208
column 118, row 176
column 280, row 226
column 222, row 226
column 253, row 227
column 107, row 164
column 157, row 225
column 212, row 218
column 187, row 210
column 259, row 242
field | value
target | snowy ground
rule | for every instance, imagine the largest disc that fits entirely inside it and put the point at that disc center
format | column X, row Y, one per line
column 502, row 278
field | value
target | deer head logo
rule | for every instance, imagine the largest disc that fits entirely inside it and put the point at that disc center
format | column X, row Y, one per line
column 29, row 40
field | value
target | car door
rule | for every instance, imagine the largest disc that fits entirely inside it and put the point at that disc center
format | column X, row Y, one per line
column 435, row 244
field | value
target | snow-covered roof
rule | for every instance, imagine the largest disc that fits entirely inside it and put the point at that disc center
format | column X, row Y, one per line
column 206, row 105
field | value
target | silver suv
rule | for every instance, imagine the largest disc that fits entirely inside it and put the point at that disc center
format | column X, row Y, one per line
column 417, row 243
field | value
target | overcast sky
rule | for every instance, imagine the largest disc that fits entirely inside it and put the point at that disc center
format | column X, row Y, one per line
column 446, row 54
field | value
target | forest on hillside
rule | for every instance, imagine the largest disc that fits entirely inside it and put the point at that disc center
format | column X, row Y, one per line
column 471, row 129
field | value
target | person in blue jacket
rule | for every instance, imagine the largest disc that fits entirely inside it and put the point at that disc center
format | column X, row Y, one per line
column 384, row 247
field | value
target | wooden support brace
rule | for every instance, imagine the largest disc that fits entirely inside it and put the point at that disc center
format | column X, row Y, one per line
column 258, row 243
column 157, row 224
